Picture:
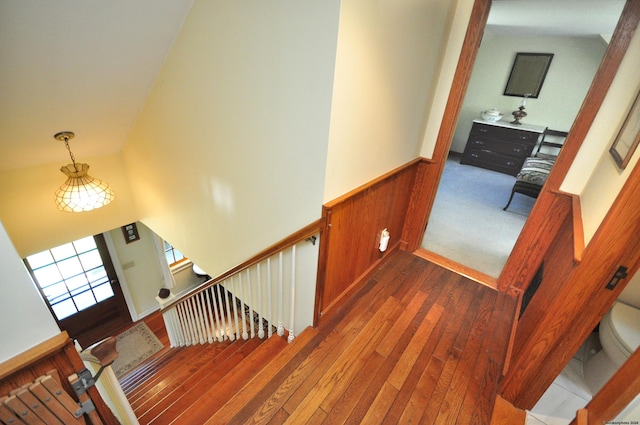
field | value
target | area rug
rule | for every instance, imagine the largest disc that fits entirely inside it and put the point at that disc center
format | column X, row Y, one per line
column 135, row 345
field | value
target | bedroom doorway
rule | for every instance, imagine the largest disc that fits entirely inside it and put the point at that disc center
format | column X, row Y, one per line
column 474, row 231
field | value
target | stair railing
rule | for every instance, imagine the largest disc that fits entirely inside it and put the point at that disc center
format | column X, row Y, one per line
column 249, row 300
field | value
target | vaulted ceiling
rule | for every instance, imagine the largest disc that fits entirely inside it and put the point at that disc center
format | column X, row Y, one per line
column 88, row 66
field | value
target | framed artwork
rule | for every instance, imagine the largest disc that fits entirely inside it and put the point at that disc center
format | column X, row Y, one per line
column 628, row 137
column 130, row 232
column 527, row 74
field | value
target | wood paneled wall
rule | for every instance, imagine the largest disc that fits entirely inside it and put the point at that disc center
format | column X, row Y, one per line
column 572, row 297
column 57, row 353
column 353, row 225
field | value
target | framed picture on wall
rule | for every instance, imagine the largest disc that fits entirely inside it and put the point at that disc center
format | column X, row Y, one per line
column 527, row 74
column 628, row 137
column 130, row 232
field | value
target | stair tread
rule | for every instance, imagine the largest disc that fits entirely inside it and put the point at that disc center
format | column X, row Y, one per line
column 191, row 389
column 177, row 371
column 216, row 396
column 264, row 377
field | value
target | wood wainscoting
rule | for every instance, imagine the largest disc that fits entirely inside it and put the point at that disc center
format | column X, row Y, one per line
column 59, row 354
column 353, row 225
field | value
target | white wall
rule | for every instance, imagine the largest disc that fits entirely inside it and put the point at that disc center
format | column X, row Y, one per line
column 594, row 175
column 228, row 155
column 138, row 265
column 572, row 69
column 387, row 65
column 26, row 320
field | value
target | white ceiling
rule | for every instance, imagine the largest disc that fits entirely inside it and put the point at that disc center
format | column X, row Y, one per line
column 87, row 66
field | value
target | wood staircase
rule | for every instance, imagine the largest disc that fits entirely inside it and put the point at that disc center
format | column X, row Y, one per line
column 418, row 344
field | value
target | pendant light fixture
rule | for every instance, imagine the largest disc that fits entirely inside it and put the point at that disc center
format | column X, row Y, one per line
column 80, row 192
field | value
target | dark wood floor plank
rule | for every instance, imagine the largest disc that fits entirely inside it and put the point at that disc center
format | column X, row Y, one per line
column 414, row 348
column 234, row 409
column 414, row 409
column 380, row 406
column 343, row 408
column 469, row 342
column 387, row 344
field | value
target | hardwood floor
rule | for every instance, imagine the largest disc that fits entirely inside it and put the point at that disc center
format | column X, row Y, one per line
column 418, row 344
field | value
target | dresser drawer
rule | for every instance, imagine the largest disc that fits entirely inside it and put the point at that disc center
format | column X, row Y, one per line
column 514, row 149
column 493, row 161
column 501, row 133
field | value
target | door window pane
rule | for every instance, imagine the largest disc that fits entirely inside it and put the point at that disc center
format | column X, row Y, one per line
column 70, row 267
column 84, row 300
column 68, row 276
column 103, row 292
column 63, row 251
column 40, row 259
column 64, row 309
column 47, row 275
column 91, row 259
column 85, row 244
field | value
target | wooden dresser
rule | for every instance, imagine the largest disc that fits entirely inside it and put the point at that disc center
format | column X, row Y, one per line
column 500, row 146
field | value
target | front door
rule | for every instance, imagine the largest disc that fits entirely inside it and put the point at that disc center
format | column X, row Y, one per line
column 79, row 284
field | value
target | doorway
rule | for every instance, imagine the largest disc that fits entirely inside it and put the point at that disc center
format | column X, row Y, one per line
column 78, row 282
column 479, row 234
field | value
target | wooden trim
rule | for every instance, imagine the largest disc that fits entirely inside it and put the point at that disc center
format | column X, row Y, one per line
column 371, row 184
column 307, row 231
column 556, row 328
column 428, row 181
column 514, row 328
column 535, row 232
column 458, row 268
column 32, row 355
column 505, row 413
column 578, row 228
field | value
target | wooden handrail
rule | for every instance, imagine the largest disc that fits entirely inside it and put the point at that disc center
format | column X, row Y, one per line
column 34, row 354
column 290, row 240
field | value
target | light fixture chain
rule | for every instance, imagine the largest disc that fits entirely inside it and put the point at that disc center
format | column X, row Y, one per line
column 73, row 159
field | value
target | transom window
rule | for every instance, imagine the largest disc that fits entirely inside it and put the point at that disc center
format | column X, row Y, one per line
column 72, row 276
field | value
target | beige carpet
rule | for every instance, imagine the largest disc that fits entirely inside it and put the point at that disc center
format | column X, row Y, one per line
column 467, row 223
column 135, row 345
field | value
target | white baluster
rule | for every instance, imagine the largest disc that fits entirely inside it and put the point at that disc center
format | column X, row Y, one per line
column 293, row 295
column 245, row 334
column 251, row 309
column 220, row 326
column 269, row 306
column 197, row 318
column 280, row 296
column 260, row 306
column 223, row 319
column 182, row 323
column 209, row 321
column 232, row 335
column 186, row 324
column 192, row 322
column 234, row 291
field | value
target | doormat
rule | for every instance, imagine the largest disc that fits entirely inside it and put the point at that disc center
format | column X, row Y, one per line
column 134, row 346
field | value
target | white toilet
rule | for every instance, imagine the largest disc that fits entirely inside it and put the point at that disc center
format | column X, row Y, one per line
column 619, row 337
